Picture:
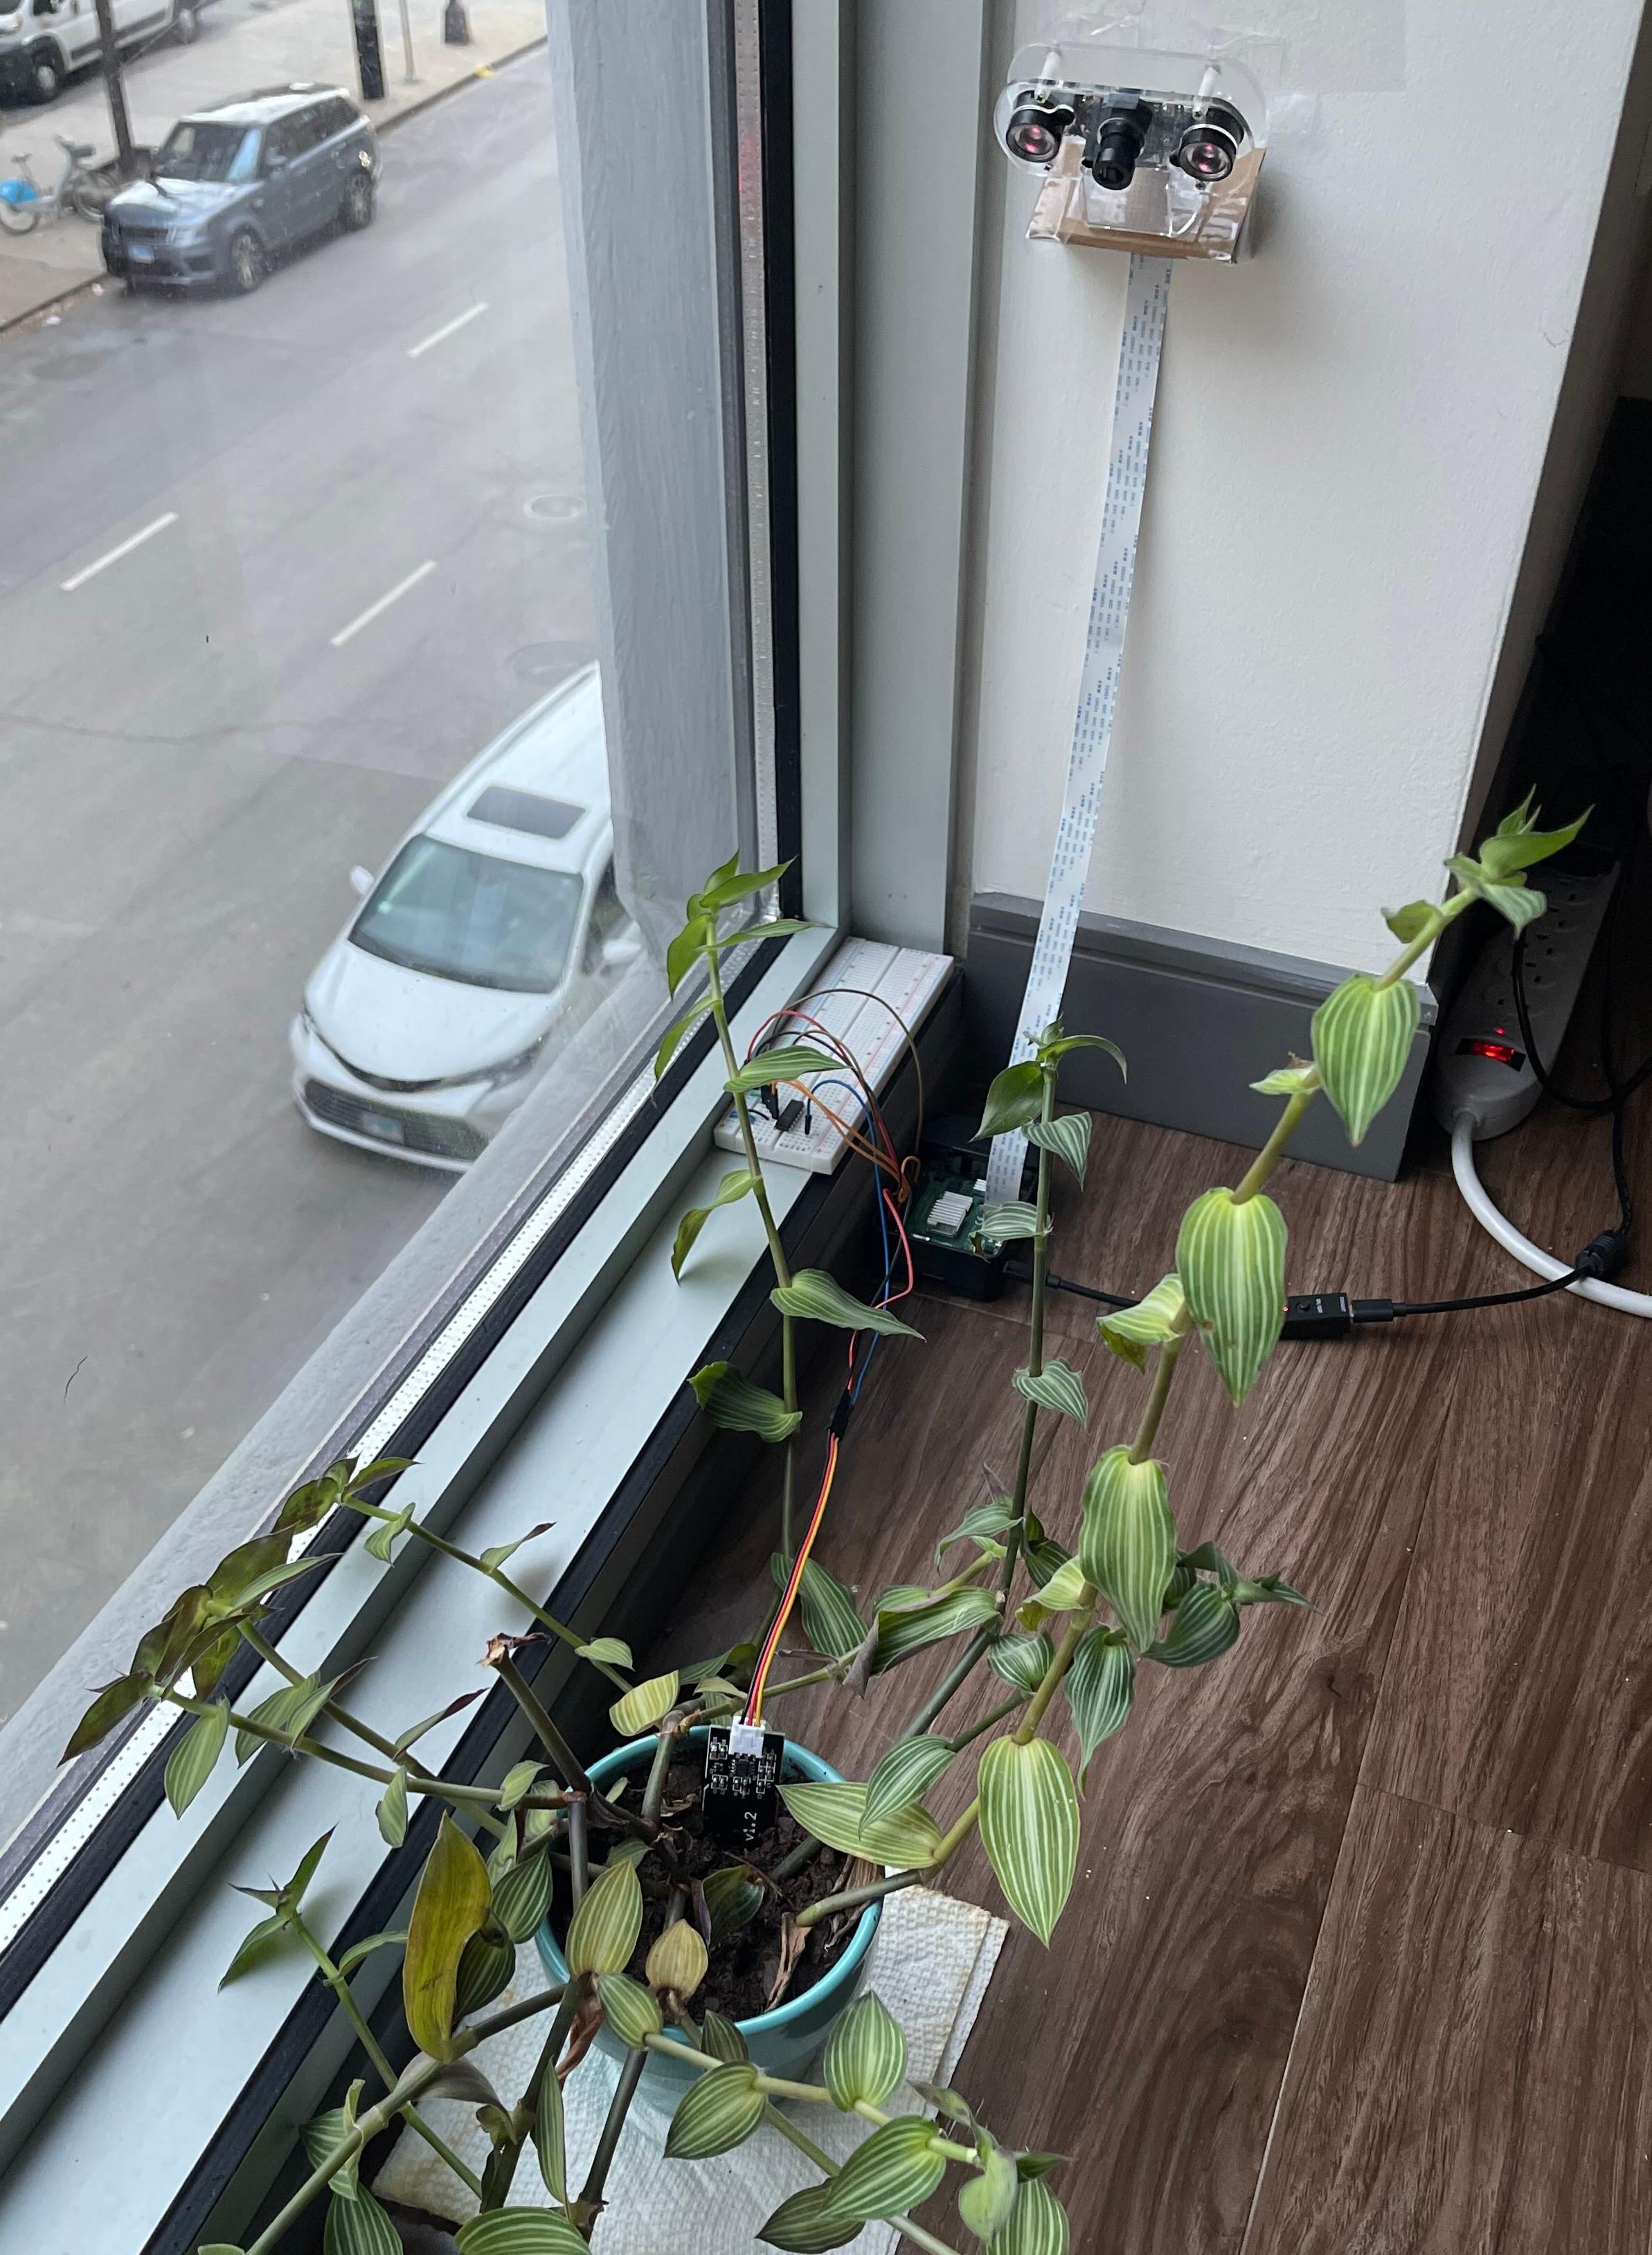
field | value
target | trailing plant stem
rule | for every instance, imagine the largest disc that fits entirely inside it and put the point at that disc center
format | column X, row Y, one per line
column 1072, row 1637
column 1273, row 1150
column 1158, row 1393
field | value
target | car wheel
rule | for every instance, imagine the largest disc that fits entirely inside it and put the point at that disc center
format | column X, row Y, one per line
column 243, row 268
column 356, row 211
column 46, row 74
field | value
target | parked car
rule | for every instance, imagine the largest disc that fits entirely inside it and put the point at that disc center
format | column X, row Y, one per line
column 494, row 931
column 234, row 186
column 42, row 41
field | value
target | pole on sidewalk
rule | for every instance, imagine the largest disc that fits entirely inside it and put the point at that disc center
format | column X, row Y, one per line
column 411, row 75
column 125, row 156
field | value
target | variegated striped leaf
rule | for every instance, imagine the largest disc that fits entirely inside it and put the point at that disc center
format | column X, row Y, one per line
column 392, row 1812
column 602, row 1932
column 896, row 2169
column 718, row 2112
column 1008, row 1220
column 830, row 1622
column 865, row 2055
column 631, row 2011
column 986, row 2201
column 733, row 1187
column 192, row 1764
column 289, row 1710
column 1520, row 903
column 739, row 1407
column 1068, row 1137
column 733, row 1899
column 1037, row 2224
column 1362, row 1037
column 789, row 1062
column 485, row 1967
column 1068, row 1590
column 1127, row 1544
column 550, row 2137
column 645, row 1703
column 1023, row 1660
column 1099, row 1686
column 522, row 1896
column 1030, row 1828
column 678, row 1959
column 1150, row 1323
column 982, row 1525
column 820, row 1299
column 324, row 2134
column 802, row 2225
column 903, row 1630
column 1057, row 1387
column 1288, row 1080
column 519, row 2231
column 1231, row 1258
column 1204, row 1627
column 357, row 2226
column 721, row 2038
column 835, row 1812
column 904, row 1775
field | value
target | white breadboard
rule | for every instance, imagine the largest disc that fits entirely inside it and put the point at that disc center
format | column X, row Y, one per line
column 888, row 979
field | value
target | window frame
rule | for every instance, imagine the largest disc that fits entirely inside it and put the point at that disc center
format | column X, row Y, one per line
column 563, row 1239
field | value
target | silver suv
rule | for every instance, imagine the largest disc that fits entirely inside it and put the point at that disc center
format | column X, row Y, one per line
column 235, row 186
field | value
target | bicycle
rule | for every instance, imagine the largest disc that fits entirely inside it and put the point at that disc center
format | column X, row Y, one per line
column 24, row 203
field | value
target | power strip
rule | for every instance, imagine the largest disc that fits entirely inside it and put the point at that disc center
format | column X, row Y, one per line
column 891, row 985
column 1482, row 1066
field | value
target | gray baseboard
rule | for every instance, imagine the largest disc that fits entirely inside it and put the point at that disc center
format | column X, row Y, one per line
column 1198, row 1020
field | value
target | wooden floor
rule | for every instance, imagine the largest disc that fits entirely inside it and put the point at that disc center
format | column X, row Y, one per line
column 1360, row 1957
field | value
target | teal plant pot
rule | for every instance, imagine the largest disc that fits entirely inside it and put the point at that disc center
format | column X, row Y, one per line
column 786, row 2042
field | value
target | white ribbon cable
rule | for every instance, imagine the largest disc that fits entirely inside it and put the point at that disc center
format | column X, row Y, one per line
column 1147, row 295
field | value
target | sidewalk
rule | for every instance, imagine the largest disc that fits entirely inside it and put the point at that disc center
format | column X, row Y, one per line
column 243, row 44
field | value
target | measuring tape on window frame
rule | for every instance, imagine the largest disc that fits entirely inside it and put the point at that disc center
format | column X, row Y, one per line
column 1146, row 299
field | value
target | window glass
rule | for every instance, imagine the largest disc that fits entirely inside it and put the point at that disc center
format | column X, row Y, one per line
column 331, row 838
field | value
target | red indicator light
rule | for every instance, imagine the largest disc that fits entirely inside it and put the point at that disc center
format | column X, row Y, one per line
column 1497, row 1052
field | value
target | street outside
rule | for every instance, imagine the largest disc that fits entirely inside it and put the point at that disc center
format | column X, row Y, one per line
column 204, row 727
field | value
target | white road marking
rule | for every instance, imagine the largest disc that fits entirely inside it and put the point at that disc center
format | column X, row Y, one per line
column 382, row 604
column 413, row 351
column 114, row 555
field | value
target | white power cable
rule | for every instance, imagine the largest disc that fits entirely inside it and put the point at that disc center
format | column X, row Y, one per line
column 1531, row 1256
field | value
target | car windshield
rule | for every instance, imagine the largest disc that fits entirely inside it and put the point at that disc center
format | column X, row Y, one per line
column 470, row 916
column 195, row 151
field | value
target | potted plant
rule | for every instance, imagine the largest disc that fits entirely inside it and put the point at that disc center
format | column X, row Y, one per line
column 641, row 1915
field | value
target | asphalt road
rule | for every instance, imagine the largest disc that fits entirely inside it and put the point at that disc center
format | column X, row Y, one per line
column 190, row 763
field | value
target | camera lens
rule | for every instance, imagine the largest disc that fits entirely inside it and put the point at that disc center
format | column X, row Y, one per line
column 1113, row 142
column 1209, row 149
column 1035, row 130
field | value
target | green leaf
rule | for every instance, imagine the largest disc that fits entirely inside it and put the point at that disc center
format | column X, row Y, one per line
column 602, row 1932
column 678, row 1960
column 830, row 1622
column 1030, row 1828
column 836, row 1814
column 821, row 1299
column 1150, row 1323
column 499, row 1554
column 986, row 2201
column 1411, row 921
column 684, row 950
column 721, row 892
column 739, row 1407
column 903, row 1630
column 1271, row 1590
column 364, row 1949
column 192, row 1762
column 381, row 1543
column 290, row 1710
column 359, row 2226
column 1099, row 1686
column 1068, row 1590
column 788, row 1061
column 454, row 1899
column 519, row 1779
column 643, row 1705
column 1016, row 1097
column 1068, row 1137
column 986, row 1521
column 485, row 1967
column 802, row 2225
column 269, row 1935
column 904, row 1775
column 1037, row 2225
column 1008, row 1220
column 632, row 2011
column 721, row 2038
column 550, row 2137
column 613, row 1649
column 1517, row 845
column 1057, row 1045
column 519, row 2231
column 1231, row 1258
column 113, row 1704
column 1023, row 1660
column 719, row 2111
column 392, row 1811
column 896, row 2169
column 1362, row 1036
column 1057, row 1387
column 733, row 1899
column 865, row 2055
column 771, row 928
column 736, row 1185
column 1127, row 1545
column 454, row 1706
column 674, row 1035
column 1288, row 1080
column 1204, row 1627
column 522, row 1896
column 1518, row 902
column 322, row 2135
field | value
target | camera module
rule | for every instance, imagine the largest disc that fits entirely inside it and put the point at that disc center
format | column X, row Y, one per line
column 1037, row 126
column 1209, row 148
column 1115, row 129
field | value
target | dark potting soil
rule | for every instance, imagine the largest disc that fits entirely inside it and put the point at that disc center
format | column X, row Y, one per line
column 745, row 1966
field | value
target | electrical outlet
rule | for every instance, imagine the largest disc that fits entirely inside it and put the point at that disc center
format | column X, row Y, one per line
column 1480, row 1062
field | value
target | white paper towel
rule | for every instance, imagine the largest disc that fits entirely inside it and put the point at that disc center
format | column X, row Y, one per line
column 930, row 1963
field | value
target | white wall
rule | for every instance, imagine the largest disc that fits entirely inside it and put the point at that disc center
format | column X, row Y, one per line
column 1351, row 432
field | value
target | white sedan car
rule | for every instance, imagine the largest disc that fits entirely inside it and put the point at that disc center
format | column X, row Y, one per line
column 493, row 933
